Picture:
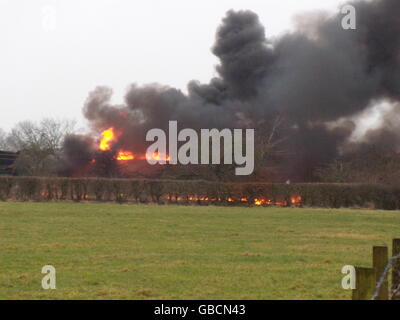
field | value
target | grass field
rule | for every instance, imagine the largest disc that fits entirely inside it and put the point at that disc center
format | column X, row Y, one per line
column 109, row 251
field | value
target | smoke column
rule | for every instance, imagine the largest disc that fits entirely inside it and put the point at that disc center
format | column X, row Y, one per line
column 318, row 78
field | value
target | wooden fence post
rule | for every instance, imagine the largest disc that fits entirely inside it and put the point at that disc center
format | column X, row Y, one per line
column 365, row 283
column 396, row 268
column 379, row 261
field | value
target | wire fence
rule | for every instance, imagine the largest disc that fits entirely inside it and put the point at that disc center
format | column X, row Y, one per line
column 383, row 278
column 382, row 281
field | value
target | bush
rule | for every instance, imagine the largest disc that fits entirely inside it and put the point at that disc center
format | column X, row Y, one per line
column 137, row 189
column 121, row 189
column 28, row 188
column 155, row 189
column 98, row 188
column 79, row 189
column 6, row 185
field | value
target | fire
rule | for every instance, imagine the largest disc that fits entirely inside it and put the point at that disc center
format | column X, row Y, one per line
column 125, row 156
column 108, row 136
column 259, row 202
column 158, row 157
column 295, row 199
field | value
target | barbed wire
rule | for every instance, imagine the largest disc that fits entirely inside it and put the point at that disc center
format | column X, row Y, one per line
column 395, row 291
column 383, row 277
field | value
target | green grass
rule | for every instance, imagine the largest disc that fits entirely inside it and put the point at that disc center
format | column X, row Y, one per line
column 109, row 251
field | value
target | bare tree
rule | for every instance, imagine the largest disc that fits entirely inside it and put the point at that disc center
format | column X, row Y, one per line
column 48, row 134
column 269, row 140
column 39, row 144
column 3, row 136
column 268, row 137
column 373, row 165
column 54, row 131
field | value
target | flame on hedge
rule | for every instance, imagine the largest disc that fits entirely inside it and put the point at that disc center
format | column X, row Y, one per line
column 294, row 200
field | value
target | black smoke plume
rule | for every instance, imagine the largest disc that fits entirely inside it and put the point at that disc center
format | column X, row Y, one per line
column 314, row 77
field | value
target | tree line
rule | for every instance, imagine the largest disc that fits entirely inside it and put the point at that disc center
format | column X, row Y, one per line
column 39, row 145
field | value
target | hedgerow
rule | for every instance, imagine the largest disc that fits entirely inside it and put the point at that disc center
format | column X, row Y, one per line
column 325, row 195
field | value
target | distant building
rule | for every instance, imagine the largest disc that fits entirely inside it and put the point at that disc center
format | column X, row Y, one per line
column 7, row 160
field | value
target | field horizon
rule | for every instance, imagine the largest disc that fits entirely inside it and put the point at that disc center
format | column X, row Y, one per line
column 112, row 251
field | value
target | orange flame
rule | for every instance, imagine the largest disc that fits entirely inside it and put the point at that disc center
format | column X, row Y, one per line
column 295, row 199
column 108, row 136
column 125, row 156
column 158, row 157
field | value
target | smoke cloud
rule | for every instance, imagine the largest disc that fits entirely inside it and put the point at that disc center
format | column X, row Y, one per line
column 312, row 77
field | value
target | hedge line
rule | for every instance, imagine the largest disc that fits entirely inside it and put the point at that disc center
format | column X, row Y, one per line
column 199, row 192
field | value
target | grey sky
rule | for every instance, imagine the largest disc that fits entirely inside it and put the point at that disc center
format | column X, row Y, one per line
column 54, row 52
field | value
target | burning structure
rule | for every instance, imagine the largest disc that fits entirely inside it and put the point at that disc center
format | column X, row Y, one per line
column 320, row 79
